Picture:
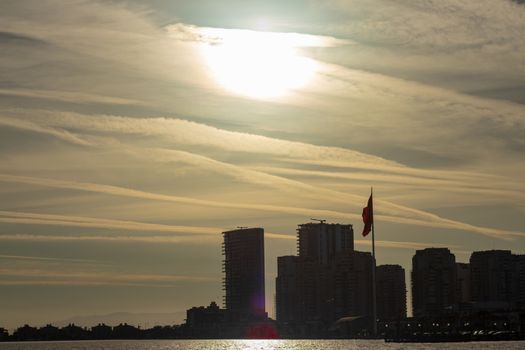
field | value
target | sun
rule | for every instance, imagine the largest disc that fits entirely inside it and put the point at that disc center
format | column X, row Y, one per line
column 258, row 64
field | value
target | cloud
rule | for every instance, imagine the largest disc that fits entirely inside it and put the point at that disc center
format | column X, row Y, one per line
column 401, row 245
column 87, row 278
column 185, row 132
column 436, row 31
column 434, row 27
column 351, row 98
column 411, row 97
column 217, row 36
column 190, row 234
column 41, row 258
column 117, row 238
column 473, row 185
column 431, row 219
column 30, row 126
column 68, row 96
column 325, row 195
column 75, row 221
column 60, row 55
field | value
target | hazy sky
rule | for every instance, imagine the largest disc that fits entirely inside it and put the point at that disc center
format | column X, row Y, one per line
column 133, row 133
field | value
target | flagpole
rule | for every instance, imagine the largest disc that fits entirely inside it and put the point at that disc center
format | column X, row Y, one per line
column 374, row 299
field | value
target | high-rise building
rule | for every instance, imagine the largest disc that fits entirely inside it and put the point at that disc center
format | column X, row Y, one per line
column 434, row 278
column 243, row 251
column 302, row 287
column 520, row 275
column 391, row 292
column 328, row 281
column 322, row 242
column 463, row 283
column 494, row 278
column 287, row 286
column 353, row 294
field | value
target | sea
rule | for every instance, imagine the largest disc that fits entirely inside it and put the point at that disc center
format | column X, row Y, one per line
column 257, row 345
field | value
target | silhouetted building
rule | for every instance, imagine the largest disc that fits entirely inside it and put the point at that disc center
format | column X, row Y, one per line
column 353, row 285
column 73, row 332
column 126, row 331
column 463, row 283
column 206, row 322
column 494, row 279
column 49, row 332
column 391, row 292
column 520, row 275
column 322, row 242
column 4, row 335
column 326, row 285
column 101, row 331
column 243, row 251
column 25, row 333
column 288, row 285
column 434, row 278
column 303, row 288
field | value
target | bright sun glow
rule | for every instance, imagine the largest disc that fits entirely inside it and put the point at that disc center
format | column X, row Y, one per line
column 258, row 64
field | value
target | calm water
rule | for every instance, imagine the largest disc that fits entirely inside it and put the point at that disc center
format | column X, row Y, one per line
column 254, row 345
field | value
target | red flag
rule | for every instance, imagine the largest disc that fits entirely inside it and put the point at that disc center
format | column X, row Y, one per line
column 368, row 216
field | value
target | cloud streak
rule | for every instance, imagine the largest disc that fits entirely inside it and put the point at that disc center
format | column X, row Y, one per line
column 177, row 130
column 435, row 221
column 68, row 96
column 41, row 258
column 87, row 278
column 30, row 126
column 117, row 238
column 76, row 221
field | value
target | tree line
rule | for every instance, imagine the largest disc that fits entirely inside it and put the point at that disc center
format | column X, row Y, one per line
column 98, row 332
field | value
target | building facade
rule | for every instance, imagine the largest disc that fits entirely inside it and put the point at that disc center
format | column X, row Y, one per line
column 205, row 322
column 353, row 284
column 243, row 265
column 494, row 278
column 520, row 274
column 434, row 278
column 301, row 287
column 322, row 242
column 391, row 292
column 463, row 283
column 326, row 282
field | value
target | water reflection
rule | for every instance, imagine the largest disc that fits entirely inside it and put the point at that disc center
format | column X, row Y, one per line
column 256, row 345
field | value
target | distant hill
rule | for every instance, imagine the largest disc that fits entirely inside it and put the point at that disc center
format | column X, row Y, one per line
column 144, row 320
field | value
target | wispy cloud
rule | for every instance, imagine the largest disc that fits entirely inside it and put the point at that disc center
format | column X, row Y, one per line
column 432, row 220
column 436, row 36
column 41, row 258
column 113, row 238
column 187, row 234
column 81, row 278
column 185, row 132
column 215, row 36
column 402, row 245
column 177, row 131
column 509, row 189
column 68, row 96
column 30, row 126
column 64, row 220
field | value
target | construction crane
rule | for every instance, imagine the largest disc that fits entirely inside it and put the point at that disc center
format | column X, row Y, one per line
column 322, row 221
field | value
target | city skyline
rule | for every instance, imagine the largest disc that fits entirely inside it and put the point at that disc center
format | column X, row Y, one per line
column 132, row 135
column 326, row 292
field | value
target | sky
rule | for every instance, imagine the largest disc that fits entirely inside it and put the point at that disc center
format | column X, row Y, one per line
column 133, row 133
